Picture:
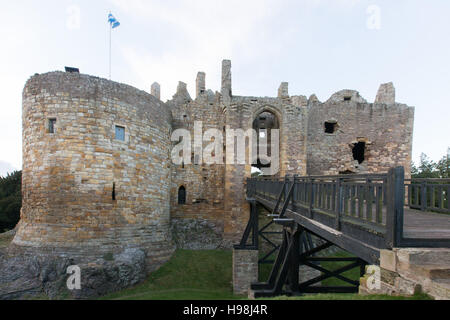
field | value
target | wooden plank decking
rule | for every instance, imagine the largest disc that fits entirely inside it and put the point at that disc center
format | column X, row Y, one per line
column 426, row 225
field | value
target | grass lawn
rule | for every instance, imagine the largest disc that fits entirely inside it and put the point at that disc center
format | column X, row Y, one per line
column 189, row 275
column 207, row 275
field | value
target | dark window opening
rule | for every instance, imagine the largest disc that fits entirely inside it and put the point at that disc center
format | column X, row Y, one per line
column 51, row 125
column 330, row 127
column 182, row 195
column 347, row 98
column 182, row 165
column 359, row 152
column 114, row 192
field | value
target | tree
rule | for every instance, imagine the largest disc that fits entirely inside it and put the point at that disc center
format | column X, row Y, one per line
column 443, row 166
column 10, row 200
column 429, row 169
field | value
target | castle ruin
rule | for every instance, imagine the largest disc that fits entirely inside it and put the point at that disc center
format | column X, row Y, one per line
column 98, row 177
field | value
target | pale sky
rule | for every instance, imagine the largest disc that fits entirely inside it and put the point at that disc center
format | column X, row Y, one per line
column 318, row 46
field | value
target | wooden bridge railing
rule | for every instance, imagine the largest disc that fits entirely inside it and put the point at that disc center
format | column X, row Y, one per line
column 350, row 202
column 429, row 194
column 367, row 208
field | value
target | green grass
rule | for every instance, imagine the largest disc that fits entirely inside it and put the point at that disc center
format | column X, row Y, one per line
column 353, row 274
column 189, row 275
column 345, row 296
column 207, row 275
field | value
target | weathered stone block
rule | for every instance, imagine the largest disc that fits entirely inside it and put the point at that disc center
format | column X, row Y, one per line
column 388, row 260
column 245, row 270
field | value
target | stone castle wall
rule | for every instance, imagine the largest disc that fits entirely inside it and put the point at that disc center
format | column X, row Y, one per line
column 69, row 176
column 198, row 223
column 385, row 129
column 87, row 194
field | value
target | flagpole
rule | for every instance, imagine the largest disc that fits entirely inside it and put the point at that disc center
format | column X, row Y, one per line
column 110, row 48
column 113, row 23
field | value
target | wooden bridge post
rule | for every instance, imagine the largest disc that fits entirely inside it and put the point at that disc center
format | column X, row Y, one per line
column 295, row 193
column 338, row 204
column 395, row 190
column 423, row 196
column 295, row 261
column 311, row 196
column 286, row 187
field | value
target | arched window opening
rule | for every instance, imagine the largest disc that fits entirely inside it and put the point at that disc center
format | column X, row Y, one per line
column 182, row 195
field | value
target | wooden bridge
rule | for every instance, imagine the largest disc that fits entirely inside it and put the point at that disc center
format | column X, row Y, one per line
column 362, row 214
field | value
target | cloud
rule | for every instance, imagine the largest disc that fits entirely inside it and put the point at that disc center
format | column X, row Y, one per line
column 202, row 33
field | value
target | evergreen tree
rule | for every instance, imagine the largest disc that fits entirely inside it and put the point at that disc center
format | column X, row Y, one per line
column 10, row 200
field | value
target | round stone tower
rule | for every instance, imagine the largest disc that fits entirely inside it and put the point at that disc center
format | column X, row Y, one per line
column 96, row 169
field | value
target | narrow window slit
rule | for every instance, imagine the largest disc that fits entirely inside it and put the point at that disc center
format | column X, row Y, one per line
column 114, row 192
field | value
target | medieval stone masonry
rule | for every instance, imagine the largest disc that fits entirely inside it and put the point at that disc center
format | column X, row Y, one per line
column 98, row 177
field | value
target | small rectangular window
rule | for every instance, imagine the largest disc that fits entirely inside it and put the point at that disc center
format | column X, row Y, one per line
column 51, row 125
column 120, row 133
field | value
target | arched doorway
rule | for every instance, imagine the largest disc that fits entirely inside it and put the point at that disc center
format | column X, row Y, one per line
column 265, row 125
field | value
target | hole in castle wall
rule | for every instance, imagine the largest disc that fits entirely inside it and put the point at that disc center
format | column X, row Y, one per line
column 331, row 127
column 359, row 151
column 347, row 98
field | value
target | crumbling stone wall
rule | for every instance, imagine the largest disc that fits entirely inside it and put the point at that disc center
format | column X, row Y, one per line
column 383, row 130
column 386, row 130
column 69, row 176
column 198, row 223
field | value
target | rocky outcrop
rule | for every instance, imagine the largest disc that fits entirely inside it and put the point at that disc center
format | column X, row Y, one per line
column 29, row 276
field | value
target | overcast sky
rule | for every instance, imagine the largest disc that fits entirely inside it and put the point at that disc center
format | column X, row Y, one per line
column 318, row 46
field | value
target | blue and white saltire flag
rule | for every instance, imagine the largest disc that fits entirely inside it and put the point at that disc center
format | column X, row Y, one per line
column 113, row 21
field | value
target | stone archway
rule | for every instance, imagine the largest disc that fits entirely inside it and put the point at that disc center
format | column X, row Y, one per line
column 268, row 159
